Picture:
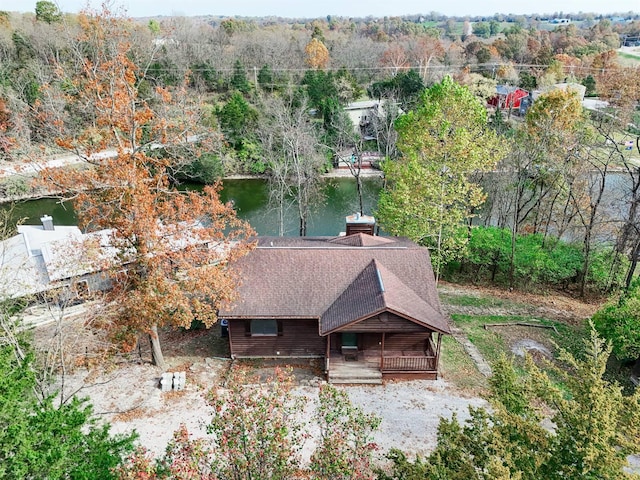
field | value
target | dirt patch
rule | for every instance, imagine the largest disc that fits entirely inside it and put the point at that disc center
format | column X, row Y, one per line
column 130, row 399
column 530, row 347
column 192, row 344
column 305, row 372
column 411, row 411
column 514, row 335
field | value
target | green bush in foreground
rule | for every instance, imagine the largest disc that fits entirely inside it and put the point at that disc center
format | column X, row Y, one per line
column 40, row 440
column 619, row 322
column 534, row 429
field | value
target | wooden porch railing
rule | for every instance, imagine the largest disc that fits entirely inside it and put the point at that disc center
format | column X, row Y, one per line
column 409, row 364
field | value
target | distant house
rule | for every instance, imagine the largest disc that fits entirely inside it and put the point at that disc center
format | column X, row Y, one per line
column 47, row 256
column 366, row 305
column 362, row 116
column 507, row 96
column 577, row 88
column 522, row 100
column 630, row 40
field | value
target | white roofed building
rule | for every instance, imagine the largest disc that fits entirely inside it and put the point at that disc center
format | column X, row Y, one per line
column 43, row 257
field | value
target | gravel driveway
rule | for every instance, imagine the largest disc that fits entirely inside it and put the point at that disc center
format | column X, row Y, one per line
column 130, row 399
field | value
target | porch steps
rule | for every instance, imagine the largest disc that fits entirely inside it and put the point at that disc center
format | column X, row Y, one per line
column 356, row 374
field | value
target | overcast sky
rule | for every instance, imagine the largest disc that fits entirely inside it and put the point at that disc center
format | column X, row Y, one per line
column 345, row 8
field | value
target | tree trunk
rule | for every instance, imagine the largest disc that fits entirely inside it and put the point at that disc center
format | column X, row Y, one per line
column 303, row 226
column 359, row 189
column 591, row 224
column 629, row 229
column 281, row 220
column 356, row 170
column 494, row 269
column 632, row 268
column 156, row 350
column 514, row 236
column 585, row 263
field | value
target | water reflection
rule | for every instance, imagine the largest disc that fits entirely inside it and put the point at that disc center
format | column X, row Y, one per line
column 250, row 197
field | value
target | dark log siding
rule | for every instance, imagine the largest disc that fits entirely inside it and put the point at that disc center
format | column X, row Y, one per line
column 370, row 341
column 385, row 322
column 393, row 342
column 414, row 342
column 299, row 338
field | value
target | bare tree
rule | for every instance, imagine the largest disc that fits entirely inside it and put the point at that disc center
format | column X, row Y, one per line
column 291, row 144
column 348, row 140
column 593, row 167
column 384, row 126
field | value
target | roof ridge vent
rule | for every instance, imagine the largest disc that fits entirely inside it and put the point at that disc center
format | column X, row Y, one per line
column 380, row 282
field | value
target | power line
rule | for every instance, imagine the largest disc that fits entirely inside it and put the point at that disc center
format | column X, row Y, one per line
column 516, row 66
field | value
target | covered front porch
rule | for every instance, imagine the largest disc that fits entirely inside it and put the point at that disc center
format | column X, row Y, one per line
column 367, row 357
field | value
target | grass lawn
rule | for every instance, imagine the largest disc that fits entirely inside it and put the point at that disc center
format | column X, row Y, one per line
column 457, row 368
column 628, row 59
column 472, row 308
column 493, row 342
column 488, row 341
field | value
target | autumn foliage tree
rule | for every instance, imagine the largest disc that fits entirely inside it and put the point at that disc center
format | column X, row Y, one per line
column 395, row 58
column 6, row 141
column 317, row 54
column 254, row 428
column 176, row 247
column 185, row 458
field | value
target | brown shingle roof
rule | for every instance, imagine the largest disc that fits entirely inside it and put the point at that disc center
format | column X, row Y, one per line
column 361, row 240
column 375, row 290
column 363, row 298
column 313, row 277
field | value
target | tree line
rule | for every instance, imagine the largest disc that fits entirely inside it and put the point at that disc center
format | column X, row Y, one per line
column 223, row 57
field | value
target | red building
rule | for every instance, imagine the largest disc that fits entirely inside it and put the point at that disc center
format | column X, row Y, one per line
column 507, row 96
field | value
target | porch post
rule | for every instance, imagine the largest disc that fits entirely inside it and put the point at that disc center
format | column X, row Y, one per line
column 233, row 356
column 382, row 352
column 438, row 351
column 327, row 354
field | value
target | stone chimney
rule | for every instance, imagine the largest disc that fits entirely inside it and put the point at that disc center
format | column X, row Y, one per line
column 47, row 222
column 357, row 223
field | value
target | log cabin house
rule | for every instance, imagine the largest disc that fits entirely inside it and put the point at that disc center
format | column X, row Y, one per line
column 366, row 305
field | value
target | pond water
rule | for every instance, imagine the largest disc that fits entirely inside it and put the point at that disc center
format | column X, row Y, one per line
column 251, row 200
